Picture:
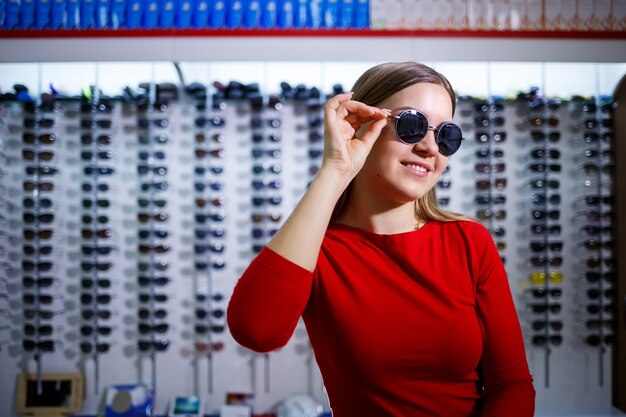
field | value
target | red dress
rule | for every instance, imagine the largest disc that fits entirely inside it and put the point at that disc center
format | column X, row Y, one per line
column 420, row 323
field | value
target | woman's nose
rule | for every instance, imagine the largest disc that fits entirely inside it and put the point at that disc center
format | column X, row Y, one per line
column 428, row 145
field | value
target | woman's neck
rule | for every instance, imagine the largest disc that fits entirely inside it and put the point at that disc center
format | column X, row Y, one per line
column 378, row 216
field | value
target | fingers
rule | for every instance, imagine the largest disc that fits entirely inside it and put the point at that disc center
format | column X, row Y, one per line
column 352, row 110
column 345, row 117
column 358, row 110
column 335, row 103
column 359, row 114
column 373, row 132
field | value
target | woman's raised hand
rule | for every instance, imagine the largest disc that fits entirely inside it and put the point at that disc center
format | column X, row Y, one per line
column 343, row 118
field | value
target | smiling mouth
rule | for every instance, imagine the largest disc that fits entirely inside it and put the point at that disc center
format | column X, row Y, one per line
column 418, row 168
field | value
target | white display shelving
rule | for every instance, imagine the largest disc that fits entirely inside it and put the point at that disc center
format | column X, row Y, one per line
column 310, row 48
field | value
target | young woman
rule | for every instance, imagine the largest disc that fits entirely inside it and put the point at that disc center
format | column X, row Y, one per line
column 407, row 306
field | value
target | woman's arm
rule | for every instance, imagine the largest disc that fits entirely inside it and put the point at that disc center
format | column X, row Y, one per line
column 300, row 238
column 507, row 381
column 272, row 293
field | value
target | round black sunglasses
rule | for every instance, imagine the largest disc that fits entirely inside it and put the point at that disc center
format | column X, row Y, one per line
column 412, row 126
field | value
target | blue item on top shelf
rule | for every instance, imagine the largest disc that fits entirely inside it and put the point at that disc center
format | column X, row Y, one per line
column 285, row 14
column 362, row 14
column 87, row 14
column 331, row 14
column 72, row 20
column 57, row 14
column 201, row 14
column 346, row 14
column 103, row 12
column 118, row 14
column 27, row 15
column 217, row 17
column 269, row 14
column 167, row 13
column 134, row 13
column 42, row 14
column 2, row 12
column 316, row 13
column 234, row 14
column 301, row 14
column 12, row 14
column 184, row 13
column 150, row 14
column 252, row 14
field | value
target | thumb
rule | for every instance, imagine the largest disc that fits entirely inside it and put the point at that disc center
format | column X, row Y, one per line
column 373, row 132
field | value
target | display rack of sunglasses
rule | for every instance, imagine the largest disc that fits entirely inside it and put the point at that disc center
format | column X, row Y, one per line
column 540, row 116
column 37, row 119
column 5, row 208
column 545, row 214
column 597, row 321
column 541, row 138
column 313, row 107
column 152, row 119
column 209, row 227
column 489, row 119
column 96, row 139
column 267, row 137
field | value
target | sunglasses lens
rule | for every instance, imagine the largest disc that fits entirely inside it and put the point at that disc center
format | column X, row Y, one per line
column 449, row 139
column 412, row 126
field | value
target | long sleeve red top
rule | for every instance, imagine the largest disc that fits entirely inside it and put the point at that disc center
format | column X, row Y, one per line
column 420, row 323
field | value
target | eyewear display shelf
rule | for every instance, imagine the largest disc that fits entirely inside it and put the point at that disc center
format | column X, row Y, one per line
column 192, row 188
column 202, row 32
column 309, row 45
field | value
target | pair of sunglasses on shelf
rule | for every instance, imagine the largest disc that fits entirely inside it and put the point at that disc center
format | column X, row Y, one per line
column 87, row 139
column 484, row 137
column 216, row 137
column 88, row 283
column 597, row 340
column 87, row 347
column 216, row 264
column 153, row 345
column 31, row 345
column 96, row 123
column 42, row 139
column 214, row 169
column 31, row 155
column 541, row 340
column 203, row 233
column 202, row 313
column 145, row 234
column 212, row 247
column 31, row 123
column 542, row 292
column 40, row 170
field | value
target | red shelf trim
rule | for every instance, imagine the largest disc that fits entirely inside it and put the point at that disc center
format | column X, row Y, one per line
column 316, row 33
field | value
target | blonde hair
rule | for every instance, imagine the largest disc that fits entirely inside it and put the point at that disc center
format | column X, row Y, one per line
column 382, row 81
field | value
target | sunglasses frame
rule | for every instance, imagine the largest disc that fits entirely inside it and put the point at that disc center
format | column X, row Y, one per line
column 436, row 130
